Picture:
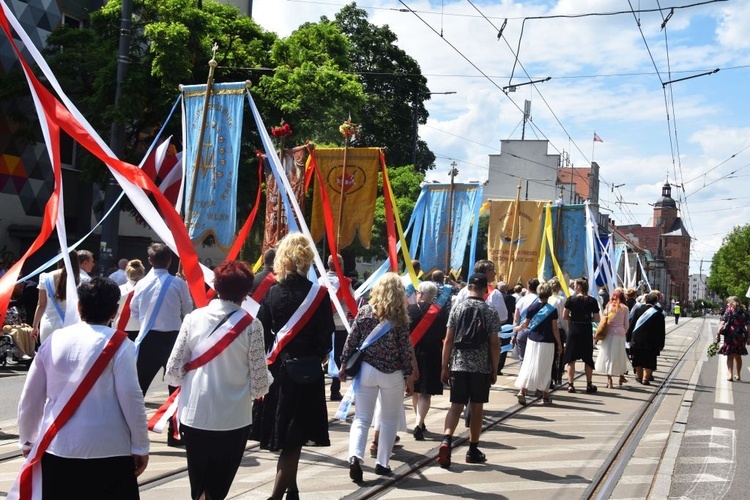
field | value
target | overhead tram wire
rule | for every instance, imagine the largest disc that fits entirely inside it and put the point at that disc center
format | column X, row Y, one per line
column 536, row 88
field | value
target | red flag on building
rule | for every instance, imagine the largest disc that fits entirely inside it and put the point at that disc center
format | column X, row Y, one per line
column 597, row 138
column 164, row 167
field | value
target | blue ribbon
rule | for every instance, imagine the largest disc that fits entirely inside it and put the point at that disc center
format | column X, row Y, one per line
column 152, row 317
column 346, row 403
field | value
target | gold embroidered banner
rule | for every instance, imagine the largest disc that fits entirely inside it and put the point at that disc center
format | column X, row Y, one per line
column 293, row 161
column 514, row 238
column 360, row 192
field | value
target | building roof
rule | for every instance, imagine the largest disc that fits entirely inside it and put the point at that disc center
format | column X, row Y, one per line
column 647, row 237
column 580, row 178
column 677, row 229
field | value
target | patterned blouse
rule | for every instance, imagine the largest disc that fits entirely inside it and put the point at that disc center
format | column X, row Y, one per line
column 391, row 352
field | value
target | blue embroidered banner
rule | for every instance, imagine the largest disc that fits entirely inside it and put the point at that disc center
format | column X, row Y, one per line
column 569, row 234
column 432, row 236
column 214, row 202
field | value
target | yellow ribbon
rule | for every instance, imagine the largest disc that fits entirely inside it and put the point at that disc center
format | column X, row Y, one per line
column 547, row 238
column 404, row 248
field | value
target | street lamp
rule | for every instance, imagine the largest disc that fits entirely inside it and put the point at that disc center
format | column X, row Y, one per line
column 416, row 122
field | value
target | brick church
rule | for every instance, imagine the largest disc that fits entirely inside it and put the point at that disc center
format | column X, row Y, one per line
column 668, row 242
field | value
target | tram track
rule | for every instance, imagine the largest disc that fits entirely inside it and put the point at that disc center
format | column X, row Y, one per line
column 606, row 477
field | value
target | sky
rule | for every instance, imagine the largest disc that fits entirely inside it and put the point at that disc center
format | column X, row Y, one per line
column 610, row 75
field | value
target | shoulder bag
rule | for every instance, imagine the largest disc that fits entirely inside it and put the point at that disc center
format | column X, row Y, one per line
column 601, row 329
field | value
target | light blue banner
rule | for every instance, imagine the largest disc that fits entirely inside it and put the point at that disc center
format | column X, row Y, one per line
column 569, row 236
column 433, row 236
column 214, row 202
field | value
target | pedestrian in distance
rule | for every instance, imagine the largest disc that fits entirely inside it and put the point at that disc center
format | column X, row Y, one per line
column 99, row 449
column 470, row 357
column 542, row 345
column 646, row 334
column 734, row 328
column 677, row 311
column 387, row 371
column 120, row 275
column 580, row 310
column 520, row 314
column 125, row 321
column 293, row 414
column 612, row 359
column 219, row 362
column 557, row 299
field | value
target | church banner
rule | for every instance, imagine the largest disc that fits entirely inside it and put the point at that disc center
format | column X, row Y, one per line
column 360, row 190
column 514, row 238
column 432, row 226
column 569, row 232
column 214, row 201
column 293, row 161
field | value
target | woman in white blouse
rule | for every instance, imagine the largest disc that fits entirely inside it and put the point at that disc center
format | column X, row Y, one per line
column 50, row 310
column 104, row 446
column 215, row 401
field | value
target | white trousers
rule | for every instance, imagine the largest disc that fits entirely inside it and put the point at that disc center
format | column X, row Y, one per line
column 390, row 388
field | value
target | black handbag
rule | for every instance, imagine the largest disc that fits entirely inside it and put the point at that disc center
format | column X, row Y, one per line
column 305, row 371
column 353, row 364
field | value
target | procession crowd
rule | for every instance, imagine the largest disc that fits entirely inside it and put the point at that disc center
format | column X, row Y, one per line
column 235, row 375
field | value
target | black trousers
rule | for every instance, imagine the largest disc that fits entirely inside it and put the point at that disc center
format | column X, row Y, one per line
column 153, row 355
column 339, row 339
column 110, row 478
column 503, row 355
column 213, row 458
column 557, row 363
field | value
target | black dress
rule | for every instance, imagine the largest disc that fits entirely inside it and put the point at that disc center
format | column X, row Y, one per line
column 291, row 414
column 647, row 342
column 429, row 350
column 580, row 341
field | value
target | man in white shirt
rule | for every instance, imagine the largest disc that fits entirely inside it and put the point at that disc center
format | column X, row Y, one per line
column 119, row 276
column 160, row 301
column 85, row 264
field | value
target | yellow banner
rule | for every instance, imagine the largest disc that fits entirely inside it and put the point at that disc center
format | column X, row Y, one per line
column 360, row 181
column 514, row 238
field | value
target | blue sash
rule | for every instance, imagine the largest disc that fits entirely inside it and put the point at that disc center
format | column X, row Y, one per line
column 48, row 284
column 644, row 317
column 523, row 313
column 381, row 329
column 152, row 317
column 541, row 315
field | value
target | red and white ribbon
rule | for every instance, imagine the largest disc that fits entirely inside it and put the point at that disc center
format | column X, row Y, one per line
column 298, row 320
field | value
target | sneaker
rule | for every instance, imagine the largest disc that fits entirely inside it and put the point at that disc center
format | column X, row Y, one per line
column 475, row 456
column 336, row 396
column 355, row 470
column 382, row 470
column 418, row 433
column 444, row 455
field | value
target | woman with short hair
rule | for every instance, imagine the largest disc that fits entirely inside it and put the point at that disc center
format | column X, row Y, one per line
column 543, row 343
column 230, row 380
column 103, row 447
column 386, row 371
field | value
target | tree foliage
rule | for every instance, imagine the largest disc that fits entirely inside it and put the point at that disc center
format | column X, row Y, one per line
column 394, row 89
column 730, row 267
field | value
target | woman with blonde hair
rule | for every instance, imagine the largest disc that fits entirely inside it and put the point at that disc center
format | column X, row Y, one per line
column 734, row 328
column 386, row 370
column 613, row 359
column 294, row 413
column 125, row 321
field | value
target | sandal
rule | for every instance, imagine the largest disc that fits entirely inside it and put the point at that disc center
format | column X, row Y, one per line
column 521, row 399
column 546, row 399
column 571, row 388
column 590, row 388
column 623, row 380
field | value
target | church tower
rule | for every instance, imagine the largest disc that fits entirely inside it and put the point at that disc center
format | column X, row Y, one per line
column 665, row 209
column 675, row 244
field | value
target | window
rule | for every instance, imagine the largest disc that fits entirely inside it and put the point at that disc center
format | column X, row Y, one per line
column 72, row 22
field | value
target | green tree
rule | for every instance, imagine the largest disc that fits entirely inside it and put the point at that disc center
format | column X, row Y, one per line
column 394, row 89
column 311, row 87
column 730, row 267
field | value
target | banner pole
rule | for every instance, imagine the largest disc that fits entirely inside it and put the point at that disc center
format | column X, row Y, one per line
column 212, row 64
column 342, row 191
column 513, row 228
column 448, row 269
